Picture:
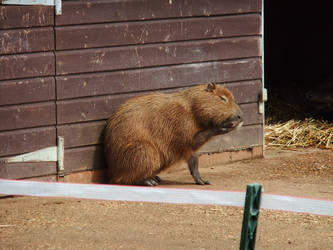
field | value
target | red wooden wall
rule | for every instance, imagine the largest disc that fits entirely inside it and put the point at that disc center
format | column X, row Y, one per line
column 64, row 75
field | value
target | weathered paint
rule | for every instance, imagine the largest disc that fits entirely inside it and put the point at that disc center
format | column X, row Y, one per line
column 64, row 75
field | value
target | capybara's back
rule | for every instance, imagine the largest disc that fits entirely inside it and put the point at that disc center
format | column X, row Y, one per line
column 148, row 134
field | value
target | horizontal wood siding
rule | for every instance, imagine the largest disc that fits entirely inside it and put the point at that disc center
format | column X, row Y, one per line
column 246, row 136
column 26, row 40
column 27, row 169
column 27, row 88
column 64, row 75
column 103, row 35
column 82, row 134
column 26, row 140
column 105, row 57
column 13, row 16
column 26, row 65
column 98, row 108
column 25, row 116
column 93, row 60
column 91, row 133
column 100, row 11
column 85, row 158
column 157, row 78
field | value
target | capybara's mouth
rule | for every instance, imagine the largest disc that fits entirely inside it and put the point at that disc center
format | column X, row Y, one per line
column 231, row 124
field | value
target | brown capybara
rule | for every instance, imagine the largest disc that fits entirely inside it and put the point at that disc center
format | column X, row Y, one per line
column 147, row 134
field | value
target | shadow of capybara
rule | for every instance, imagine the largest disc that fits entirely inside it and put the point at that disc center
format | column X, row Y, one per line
column 147, row 134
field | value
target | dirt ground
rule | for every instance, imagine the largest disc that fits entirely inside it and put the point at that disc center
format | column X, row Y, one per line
column 58, row 223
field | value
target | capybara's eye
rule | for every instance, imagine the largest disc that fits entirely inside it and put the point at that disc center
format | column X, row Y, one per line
column 223, row 98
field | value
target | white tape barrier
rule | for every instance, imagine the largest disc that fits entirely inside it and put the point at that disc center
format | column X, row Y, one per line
column 163, row 195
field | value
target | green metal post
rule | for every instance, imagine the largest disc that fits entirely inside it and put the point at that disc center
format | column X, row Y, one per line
column 250, row 218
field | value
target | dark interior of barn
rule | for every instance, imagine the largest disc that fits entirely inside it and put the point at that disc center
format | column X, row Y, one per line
column 298, row 53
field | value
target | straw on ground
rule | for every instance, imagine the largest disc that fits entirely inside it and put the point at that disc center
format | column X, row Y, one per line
column 298, row 133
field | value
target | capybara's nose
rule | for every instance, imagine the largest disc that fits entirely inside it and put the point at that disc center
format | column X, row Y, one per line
column 236, row 118
column 239, row 118
column 239, row 115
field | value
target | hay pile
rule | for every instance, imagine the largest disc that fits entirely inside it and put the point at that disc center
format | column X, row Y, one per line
column 290, row 125
column 300, row 133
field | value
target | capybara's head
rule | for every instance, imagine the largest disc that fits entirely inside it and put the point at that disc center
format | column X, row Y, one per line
column 214, row 107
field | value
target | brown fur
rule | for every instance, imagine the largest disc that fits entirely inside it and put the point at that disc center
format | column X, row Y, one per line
column 147, row 134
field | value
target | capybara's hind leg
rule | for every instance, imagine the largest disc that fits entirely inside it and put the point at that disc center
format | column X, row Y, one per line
column 147, row 164
column 153, row 181
column 157, row 179
column 193, row 166
column 148, row 182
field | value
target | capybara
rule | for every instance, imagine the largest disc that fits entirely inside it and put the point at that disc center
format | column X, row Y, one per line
column 147, row 134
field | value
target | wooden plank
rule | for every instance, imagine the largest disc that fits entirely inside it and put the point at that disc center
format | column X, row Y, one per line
column 27, row 116
column 104, row 59
column 85, row 158
column 91, row 133
column 82, row 134
column 117, row 82
column 26, row 40
column 27, row 90
column 242, row 138
column 246, row 92
column 90, row 176
column 26, row 65
column 208, row 160
column 103, row 35
column 13, row 16
column 27, row 170
column 98, row 108
column 89, row 109
column 92, row 157
column 27, row 140
column 99, row 11
column 251, row 114
column 53, row 178
column 100, row 175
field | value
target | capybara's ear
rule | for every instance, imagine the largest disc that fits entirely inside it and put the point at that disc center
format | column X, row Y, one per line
column 211, row 87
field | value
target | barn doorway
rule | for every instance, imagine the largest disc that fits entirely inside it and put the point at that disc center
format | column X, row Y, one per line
column 298, row 54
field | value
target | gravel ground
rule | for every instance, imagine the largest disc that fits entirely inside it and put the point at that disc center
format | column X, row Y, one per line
column 58, row 223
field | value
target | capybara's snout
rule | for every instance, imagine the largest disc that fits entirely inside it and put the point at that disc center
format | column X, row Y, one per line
column 237, row 120
column 238, row 117
column 233, row 122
